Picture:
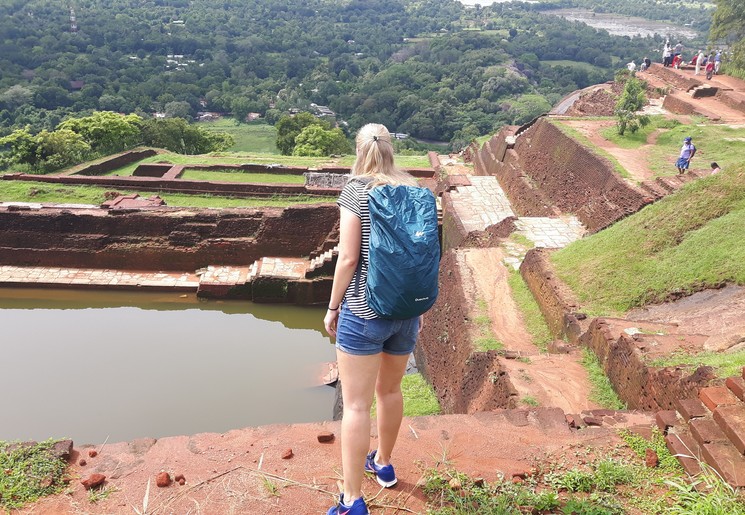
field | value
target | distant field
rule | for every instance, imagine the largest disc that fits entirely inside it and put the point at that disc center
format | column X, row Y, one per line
column 256, row 137
column 242, row 176
column 573, row 64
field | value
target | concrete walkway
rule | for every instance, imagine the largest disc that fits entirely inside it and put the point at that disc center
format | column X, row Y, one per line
column 97, row 278
column 485, row 203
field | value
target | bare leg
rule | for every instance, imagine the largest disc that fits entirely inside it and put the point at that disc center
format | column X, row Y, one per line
column 390, row 404
column 357, row 375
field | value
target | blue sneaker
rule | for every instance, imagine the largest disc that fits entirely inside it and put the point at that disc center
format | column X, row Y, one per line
column 358, row 508
column 385, row 475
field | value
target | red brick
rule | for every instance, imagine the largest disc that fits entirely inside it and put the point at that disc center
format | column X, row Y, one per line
column 666, row 419
column 714, row 396
column 690, row 408
column 727, row 461
column 732, row 421
column 705, row 430
column 736, row 385
column 685, row 448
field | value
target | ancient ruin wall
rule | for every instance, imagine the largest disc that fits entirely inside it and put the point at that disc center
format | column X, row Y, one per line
column 464, row 381
column 638, row 385
column 160, row 239
column 574, row 178
column 117, row 161
column 678, row 106
column 555, row 299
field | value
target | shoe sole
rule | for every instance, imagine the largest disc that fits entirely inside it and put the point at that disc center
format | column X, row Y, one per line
column 384, row 484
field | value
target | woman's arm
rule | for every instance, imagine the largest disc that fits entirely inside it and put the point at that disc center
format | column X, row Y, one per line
column 350, row 240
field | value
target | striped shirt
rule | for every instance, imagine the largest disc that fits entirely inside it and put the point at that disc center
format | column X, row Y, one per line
column 353, row 198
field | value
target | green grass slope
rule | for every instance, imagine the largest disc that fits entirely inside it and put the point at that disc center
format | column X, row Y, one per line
column 688, row 241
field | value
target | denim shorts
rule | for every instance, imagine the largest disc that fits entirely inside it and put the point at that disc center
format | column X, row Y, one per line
column 682, row 163
column 362, row 337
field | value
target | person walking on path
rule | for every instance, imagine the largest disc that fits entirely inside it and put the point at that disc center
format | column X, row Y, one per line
column 717, row 62
column 372, row 352
column 686, row 154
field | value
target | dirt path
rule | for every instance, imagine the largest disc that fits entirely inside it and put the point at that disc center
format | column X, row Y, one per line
column 540, row 379
column 634, row 160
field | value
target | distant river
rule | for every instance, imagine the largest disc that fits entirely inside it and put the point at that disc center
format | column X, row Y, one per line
column 619, row 25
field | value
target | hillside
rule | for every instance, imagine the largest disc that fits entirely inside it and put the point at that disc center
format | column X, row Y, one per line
column 687, row 242
column 435, row 70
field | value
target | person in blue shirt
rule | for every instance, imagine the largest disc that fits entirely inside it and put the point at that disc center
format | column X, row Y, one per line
column 686, row 154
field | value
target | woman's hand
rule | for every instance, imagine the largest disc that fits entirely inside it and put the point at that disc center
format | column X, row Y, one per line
column 330, row 320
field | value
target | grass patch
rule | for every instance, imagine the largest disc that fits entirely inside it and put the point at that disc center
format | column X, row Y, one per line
column 613, row 481
column 572, row 64
column 23, row 191
column 28, row 473
column 529, row 400
column 602, row 391
column 638, row 138
column 258, row 137
column 724, row 364
column 526, row 303
column 687, row 242
column 419, row 397
column 484, row 338
column 584, row 141
column 719, row 143
column 242, row 176
column 99, row 494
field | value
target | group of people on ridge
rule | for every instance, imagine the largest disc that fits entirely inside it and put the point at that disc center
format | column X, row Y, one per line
column 673, row 57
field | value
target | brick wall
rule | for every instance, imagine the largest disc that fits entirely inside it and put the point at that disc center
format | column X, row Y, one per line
column 570, row 177
column 678, row 106
column 158, row 184
column 464, row 381
column 640, row 386
column 556, row 301
column 160, row 239
column 112, row 163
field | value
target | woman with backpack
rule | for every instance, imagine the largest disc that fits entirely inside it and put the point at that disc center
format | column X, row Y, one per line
column 372, row 351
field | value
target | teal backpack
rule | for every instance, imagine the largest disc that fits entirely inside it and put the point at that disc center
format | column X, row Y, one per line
column 404, row 255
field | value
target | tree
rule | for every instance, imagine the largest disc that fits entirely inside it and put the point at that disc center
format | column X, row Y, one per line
column 288, row 128
column 176, row 135
column 61, row 148
column 729, row 24
column 21, row 147
column 316, row 141
column 178, row 109
column 16, row 96
column 631, row 101
column 107, row 132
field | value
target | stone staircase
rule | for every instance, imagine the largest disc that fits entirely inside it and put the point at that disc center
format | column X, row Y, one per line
column 710, row 429
column 663, row 186
column 703, row 90
column 323, row 264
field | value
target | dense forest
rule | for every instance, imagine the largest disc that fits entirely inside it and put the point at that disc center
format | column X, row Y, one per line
column 433, row 69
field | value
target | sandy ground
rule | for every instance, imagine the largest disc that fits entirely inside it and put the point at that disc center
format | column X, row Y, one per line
column 548, row 380
column 242, row 471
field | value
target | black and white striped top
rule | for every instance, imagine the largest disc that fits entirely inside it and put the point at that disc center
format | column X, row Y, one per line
column 353, row 198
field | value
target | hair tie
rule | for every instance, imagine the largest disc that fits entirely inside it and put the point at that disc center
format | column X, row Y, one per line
column 375, row 138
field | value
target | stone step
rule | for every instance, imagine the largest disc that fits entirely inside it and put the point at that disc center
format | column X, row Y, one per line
column 726, row 460
column 684, row 447
column 736, row 385
column 671, row 185
column 731, row 422
column 654, row 189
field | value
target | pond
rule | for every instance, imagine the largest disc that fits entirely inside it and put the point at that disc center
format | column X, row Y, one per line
column 122, row 365
column 619, row 25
